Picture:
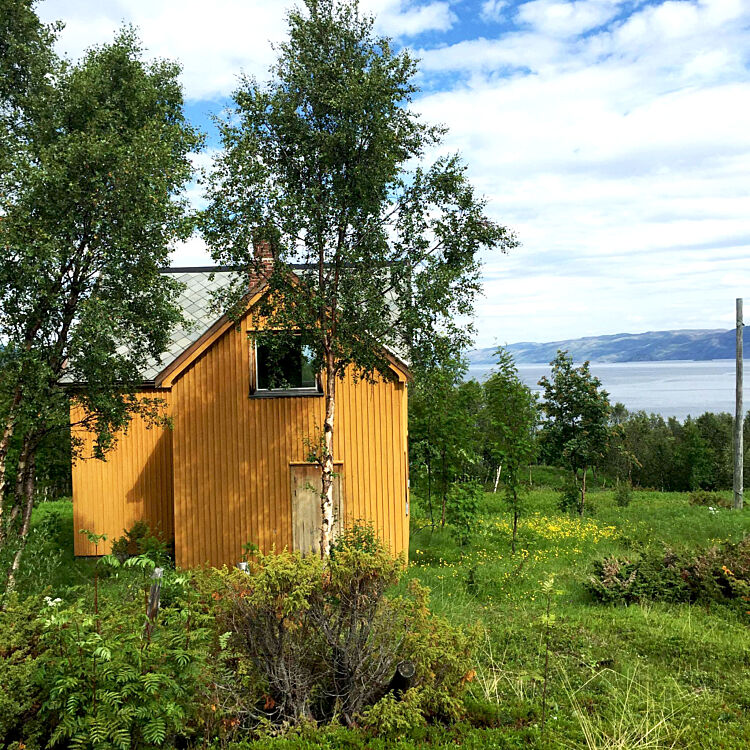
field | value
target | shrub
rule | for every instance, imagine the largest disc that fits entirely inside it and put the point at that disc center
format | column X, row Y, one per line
column 569, row 495
column 314, row 640
column 140, row 540
column 612, row 580
column 21, row 674
column 393, row 718
column 719, row 574
column 462, row 508
column 100, row 679
column 442, row 654
column 43, row 556
column 113, row 682
column 623, row 494
column 709, row 499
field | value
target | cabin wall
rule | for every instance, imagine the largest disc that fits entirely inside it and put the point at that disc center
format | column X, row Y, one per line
column 232, row 456
column 133, row 483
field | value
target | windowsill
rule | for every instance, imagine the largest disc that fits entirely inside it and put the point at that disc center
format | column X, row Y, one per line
column 292, row 393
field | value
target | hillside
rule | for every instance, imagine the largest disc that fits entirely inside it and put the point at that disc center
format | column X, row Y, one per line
column 652, row 346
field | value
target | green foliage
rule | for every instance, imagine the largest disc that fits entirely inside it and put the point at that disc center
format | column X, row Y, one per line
column 394, row 718
column 569, row 495
column 462, row 509
column 709, row 499
column 140, row 540
column 99, row 679
column 324, row 165
column 22, row 684
column 95, row 155
column 44, row 555
column 445, row 437
column 668, row 661
column 511, row 419
column 577, row 430
column 442, row 654
column 112, row 153
column 113, row 685
column 623, row 494
column 669, row 455
column 320, row 163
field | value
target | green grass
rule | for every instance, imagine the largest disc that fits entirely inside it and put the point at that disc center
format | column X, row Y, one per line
column 645, row 676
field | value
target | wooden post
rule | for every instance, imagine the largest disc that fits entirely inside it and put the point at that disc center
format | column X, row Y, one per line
column 401, row 680
column 739, row 415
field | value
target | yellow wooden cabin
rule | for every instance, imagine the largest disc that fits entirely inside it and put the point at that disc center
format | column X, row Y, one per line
column 232, row 469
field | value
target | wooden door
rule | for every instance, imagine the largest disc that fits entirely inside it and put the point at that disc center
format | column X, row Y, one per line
column 306, row 489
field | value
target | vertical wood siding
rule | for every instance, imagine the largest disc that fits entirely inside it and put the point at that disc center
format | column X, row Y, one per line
column 133, row 483
column 232, row 456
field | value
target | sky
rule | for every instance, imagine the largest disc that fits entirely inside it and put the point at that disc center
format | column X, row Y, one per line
column 612, row 137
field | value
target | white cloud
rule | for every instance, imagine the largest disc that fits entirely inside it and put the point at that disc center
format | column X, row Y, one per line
column 216, row 41
column 213, row 41
column 556, row 18
column 494, row 10
column 401, row 18
column 192, row 252
column 621, row 158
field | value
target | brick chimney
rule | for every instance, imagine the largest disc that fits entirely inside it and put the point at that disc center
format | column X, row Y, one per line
column 260, row 271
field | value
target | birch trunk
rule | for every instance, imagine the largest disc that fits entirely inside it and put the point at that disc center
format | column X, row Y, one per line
column 583, row 494
column 10, row 425
column 444, row 491
column 326, row 495
column 4, row 445
column 21, row 475
column 497, row 477
column 28, row 491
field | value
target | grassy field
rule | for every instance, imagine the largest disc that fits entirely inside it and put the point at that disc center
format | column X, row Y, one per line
column 644, row 676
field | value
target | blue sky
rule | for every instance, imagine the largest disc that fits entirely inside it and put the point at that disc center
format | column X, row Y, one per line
column 613, row 137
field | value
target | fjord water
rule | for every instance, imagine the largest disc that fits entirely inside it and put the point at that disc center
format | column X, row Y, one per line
column 672, row 389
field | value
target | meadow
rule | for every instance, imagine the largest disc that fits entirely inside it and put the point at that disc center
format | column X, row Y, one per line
column 647, row 675
column 553, row 668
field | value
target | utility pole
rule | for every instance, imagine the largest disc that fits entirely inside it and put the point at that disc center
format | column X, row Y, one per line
column 739, row 415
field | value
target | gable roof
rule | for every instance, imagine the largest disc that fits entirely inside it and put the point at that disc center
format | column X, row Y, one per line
column 204, row 324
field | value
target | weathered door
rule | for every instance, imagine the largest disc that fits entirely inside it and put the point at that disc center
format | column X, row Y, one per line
column 306, row 489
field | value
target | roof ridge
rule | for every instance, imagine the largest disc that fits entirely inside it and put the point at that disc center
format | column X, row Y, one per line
column 198, row 269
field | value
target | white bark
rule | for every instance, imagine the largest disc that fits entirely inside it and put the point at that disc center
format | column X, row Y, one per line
column 497, row 477
column 326, row 495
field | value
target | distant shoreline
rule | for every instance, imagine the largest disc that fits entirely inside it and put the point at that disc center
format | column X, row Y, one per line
column 605, row 363
column 621, row 348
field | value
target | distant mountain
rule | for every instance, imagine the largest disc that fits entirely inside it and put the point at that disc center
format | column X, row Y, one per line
column 653, row 346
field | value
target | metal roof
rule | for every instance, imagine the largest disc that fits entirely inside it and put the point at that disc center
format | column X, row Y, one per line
column 198, row 307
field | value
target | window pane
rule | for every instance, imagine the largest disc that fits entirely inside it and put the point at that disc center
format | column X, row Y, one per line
column 308, row 374
column 284, row 366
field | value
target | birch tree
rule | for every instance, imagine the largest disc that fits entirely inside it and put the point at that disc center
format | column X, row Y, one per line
column 328, row 164
column 577, row 426
column 90, row 208
column 511, row 415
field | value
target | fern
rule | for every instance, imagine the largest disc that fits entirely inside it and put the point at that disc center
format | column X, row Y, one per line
column 110, row 687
